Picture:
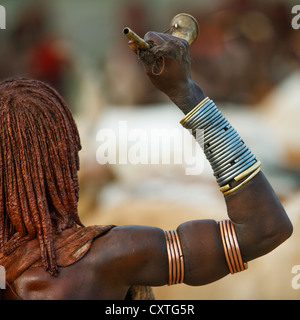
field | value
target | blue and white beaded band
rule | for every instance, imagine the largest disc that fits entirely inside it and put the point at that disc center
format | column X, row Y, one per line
column 223, row 147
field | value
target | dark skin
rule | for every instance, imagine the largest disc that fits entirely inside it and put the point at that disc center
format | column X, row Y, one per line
column 136, row 255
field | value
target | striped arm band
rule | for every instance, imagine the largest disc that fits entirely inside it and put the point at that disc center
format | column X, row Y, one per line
column 230, row 159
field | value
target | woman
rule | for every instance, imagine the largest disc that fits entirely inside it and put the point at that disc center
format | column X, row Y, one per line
column 49, row 254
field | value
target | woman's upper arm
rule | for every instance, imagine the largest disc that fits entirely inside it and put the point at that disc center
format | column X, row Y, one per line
column 137, row 255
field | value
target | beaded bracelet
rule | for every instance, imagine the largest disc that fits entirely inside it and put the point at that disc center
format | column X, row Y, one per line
column 230, row 159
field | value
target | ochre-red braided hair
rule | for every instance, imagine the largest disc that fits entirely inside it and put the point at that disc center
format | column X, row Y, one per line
column 39, row 144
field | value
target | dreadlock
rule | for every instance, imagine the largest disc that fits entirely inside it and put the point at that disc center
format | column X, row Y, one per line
column 39, row 144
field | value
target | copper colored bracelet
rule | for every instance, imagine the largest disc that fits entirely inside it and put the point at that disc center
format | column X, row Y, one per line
column 175, row 258
column 231, row 247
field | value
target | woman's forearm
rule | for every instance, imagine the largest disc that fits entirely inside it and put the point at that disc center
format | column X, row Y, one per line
column 259, row 219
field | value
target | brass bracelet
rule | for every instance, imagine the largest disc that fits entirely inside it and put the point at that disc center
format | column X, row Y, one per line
column 193, row 111
column 242, row 183
column 231, row 247
column 175, row 258
column 242, row 175
column 248, row 171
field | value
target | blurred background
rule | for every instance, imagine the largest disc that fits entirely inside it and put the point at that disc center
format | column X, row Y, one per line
column 246, row 58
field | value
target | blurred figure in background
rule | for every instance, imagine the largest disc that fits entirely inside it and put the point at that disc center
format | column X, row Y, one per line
column 34, row 51
column 234, row 32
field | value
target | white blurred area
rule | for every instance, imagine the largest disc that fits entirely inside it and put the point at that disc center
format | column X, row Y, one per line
column 253, row 77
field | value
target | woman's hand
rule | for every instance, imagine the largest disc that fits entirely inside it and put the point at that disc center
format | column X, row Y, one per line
column 167, row 65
